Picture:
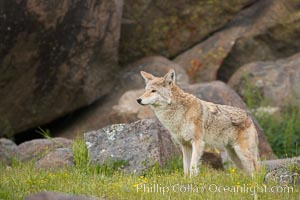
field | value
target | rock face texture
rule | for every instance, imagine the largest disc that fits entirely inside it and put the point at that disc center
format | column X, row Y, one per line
column 138, row 145
column 278, row 82
column 55, row 57
column 266, row 30
column 168, row 27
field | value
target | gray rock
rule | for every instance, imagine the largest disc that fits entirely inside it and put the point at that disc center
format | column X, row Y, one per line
column 7, row 150
column 140, row 145
column 283, row 171
column 278, row 82
column 48, row 195
column 38, row 148
column 55, row 57
column 59, row 158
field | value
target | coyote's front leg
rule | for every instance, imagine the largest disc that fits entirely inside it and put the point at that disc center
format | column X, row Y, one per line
column 187, row 155
column 198, row 147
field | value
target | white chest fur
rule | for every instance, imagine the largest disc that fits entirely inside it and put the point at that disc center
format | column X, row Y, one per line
column 181, row 129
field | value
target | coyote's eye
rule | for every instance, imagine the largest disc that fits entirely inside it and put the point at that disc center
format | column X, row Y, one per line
column 153, row 91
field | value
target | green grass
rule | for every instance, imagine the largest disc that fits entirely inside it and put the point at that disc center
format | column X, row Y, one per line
column 81, row 154
column 22, row 179
column 282, row 130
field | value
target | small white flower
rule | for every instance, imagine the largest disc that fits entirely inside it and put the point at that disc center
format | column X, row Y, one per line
column 88, row 144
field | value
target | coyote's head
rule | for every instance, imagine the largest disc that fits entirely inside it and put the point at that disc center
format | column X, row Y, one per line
column 158, row 89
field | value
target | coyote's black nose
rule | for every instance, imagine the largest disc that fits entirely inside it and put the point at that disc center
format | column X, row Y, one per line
column 139, row 100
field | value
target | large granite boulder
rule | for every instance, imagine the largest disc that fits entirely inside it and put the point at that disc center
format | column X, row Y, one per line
column 168, row 27
column 55, row 57
column 277, row 81
column 266, row 30
column 139, row 145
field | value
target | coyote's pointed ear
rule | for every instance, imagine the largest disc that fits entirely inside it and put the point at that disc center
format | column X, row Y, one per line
column 147, row 76
column 170, row 77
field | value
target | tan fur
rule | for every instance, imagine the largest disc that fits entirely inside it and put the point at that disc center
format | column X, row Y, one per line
column 193, row 122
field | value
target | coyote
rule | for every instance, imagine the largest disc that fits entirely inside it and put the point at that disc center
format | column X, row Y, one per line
column 193, row 122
